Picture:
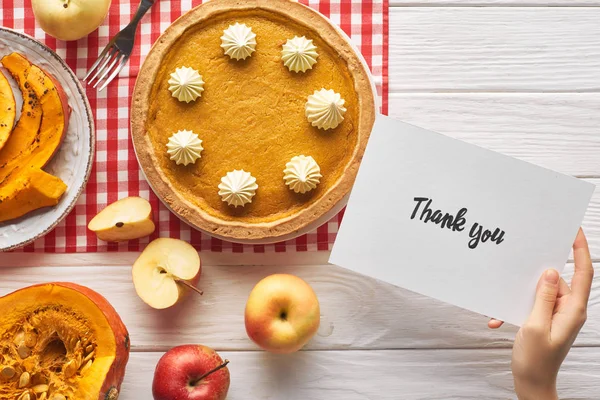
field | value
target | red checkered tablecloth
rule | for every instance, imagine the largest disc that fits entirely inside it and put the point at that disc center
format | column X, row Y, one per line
column 116, row 173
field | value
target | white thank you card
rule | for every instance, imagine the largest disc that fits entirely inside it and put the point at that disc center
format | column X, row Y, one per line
column 457, row 222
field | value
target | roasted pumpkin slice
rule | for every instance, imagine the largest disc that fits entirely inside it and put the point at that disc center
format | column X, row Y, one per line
column 63, row 340
column 30, row 190
column 28, row 126
column 36, row 152
column 8, row 110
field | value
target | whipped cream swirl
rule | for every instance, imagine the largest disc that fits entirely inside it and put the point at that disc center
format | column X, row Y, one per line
column 237, row 188
column 325, row 109
column 184, row 147
column 299, row 54
column 186, row 84
column 238, row 41
column 302, row 174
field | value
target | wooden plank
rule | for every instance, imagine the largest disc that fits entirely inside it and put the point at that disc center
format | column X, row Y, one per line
column 549, row 49
column 591, row 222
column 555, row 131
column 357, row 312
column 128, row 258
column 381, row 375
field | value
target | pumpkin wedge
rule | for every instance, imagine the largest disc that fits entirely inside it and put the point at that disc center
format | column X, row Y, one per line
column 40, row 147
column 8, row 110
column 30, row 190
column 28, row 126
column 63, row 340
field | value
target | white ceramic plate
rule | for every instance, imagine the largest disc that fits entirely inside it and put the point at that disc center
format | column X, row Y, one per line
column 73, row 161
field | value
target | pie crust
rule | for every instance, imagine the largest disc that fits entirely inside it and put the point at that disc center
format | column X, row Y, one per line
column 234, row 228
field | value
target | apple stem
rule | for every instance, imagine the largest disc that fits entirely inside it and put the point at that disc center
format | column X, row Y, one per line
column 212, row 371
column 189, row 285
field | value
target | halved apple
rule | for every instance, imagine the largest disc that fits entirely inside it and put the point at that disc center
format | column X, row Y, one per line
column 127, row 219
column 165, row 271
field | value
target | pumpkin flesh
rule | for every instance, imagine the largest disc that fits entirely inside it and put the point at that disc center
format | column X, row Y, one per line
column 35, row 149
column 28, row 126
column 24, row 187
column 8, row 110
column 30, row 190
column 67, row 338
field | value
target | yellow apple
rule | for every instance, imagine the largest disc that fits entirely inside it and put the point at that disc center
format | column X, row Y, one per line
column 165, row 271
column 127, row 219
column 282, row 313
column 70, row 19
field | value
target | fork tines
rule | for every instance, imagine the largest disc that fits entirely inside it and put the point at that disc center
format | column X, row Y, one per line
column 107, row 66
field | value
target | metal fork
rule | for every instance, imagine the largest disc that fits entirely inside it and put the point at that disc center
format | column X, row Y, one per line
column 117, row 52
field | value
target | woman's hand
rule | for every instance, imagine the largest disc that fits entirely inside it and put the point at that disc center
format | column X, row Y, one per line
column 558, row 314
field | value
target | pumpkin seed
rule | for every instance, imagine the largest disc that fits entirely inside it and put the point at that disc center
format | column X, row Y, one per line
column 58, row 396
column 77, row 346
column 24, row 380
column 40, row 389
column 8, row 372
column 113, row 394
column 89, row 349
column 36, row 320
column 19, row 337
column 43, row 396
column 24, row 396
column 87, row 366
column 70, row 368
column 30, row 339
column 88, row 357
column 23, row 351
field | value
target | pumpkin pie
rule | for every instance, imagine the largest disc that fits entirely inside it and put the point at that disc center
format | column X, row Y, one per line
column 272, row 90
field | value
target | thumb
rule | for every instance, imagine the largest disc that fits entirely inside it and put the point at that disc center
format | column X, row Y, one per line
column 545, row 299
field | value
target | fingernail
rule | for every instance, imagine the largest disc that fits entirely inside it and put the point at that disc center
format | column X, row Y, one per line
column 551, row 276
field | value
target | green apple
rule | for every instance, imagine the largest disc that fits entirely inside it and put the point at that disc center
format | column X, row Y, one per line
column 70, row 19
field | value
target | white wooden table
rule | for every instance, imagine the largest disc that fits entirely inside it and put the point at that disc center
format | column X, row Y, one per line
column 519, row 77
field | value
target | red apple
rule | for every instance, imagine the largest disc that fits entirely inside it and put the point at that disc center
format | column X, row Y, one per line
column 191, row 372
column 282, row 313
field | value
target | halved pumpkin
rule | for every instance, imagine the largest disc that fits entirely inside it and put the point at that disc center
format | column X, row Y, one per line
column 63, row 340
column 34, row 151
column 8, row 110
column 30, row 190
